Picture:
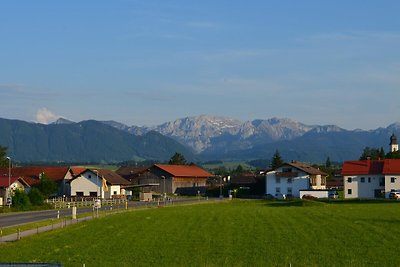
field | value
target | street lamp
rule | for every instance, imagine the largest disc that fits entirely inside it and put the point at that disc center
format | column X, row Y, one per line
column 9, row 182
column 164, row 193
column 97, row 182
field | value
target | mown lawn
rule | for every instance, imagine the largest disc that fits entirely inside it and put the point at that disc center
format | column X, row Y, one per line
column 238, row 233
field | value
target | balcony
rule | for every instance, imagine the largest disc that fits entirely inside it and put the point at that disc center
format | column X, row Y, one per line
column 286, row 174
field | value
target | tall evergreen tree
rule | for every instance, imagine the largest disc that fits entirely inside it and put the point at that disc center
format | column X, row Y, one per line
column 328, row 163
column 177, row 159
column 3, row 157
column 276, row 160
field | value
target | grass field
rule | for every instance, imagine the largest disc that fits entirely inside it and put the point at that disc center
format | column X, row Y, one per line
column 238, row 233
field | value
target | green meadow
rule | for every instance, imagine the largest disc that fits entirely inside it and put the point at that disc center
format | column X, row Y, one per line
column 236, row 233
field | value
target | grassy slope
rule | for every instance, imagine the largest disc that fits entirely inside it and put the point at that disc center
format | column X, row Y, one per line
column 242, row 233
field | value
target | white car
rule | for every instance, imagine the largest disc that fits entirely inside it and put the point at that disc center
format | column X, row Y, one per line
column 394, row 195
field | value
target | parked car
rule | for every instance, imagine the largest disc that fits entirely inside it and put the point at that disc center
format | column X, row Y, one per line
column 394, row 195
column 333, row 195
column 280, row 196
column 307, row 196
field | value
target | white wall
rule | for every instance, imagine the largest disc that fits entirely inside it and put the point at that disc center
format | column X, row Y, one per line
column 360, row 189
column 389, row 186
column 85, row 184
column 298, row 183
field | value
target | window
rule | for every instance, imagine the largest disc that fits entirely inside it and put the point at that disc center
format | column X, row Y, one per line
column 362, row 179
column 278, row 190
column 323, row 180
column 369, row 179
column 381, row 181
column 277, row 180
column 115, row 192
column 286, row 169
column 349, row 179
column 349, row 191
column 90, row 176
column 289, row 190
column 392, row 179
column 93, row 194
column 289, row 180
column 79, row 194
column 313, row 181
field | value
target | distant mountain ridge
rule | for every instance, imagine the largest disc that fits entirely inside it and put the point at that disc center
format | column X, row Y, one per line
column 86, row 141
column 213, row 137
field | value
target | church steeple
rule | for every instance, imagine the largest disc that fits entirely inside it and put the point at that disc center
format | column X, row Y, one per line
column 394, row 146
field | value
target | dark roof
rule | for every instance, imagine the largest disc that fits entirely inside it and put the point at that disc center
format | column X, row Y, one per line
column 306, row 168
column 130, row 171
column 184, row 170
column 110, row 176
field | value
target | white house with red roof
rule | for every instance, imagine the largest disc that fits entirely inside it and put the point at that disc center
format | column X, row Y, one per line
column 181, row 179
column 100, row 183
column 9, row 184
column 371, row 178
column 290, row 178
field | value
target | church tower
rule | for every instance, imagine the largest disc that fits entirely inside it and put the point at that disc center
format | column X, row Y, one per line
column 394, row 146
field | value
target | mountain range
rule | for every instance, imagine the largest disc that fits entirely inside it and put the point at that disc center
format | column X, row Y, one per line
column 199, row 138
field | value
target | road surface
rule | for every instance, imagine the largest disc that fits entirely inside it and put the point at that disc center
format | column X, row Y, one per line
column 18, row 218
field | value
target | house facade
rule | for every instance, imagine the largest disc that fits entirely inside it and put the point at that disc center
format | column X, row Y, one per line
column 290, row 178
column 181, row 179
column 371, row 178
column 98, row 183
column 10, row 184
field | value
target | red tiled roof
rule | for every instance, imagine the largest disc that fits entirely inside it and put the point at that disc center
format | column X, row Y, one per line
column 392, row 166
column 4, row 181
column 31, row 174
column 77, row 170
column 184, row 170
column 363, row 167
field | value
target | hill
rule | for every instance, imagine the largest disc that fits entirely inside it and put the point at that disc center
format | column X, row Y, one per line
column 86, row 141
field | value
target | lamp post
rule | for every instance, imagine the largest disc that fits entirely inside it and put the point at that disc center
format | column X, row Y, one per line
column 9, row 182
column 164, row 193
column 220, row 187
column 97, row 182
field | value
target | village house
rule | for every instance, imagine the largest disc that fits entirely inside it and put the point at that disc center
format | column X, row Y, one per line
column 290, row 178
column 100, row 183
column 181, row 179
column 32, row 175
column 372, row 178
column 8, row 185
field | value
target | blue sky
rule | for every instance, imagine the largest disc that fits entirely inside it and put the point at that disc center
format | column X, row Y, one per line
column 148, row 62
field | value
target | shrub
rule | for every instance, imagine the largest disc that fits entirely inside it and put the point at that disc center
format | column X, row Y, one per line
column 36, row 197
column 21, row 201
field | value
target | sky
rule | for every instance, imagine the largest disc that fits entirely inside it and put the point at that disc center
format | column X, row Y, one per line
column 147, row 62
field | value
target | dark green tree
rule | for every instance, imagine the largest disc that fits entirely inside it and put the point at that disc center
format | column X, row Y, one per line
column 3, row 157
column 20, row 200
column 276, row 160
column 372, row 153
column 47, row 186
column 36, row 197
column 239, row 169
column 177, row 159
column 328, row 163
column 393, row 155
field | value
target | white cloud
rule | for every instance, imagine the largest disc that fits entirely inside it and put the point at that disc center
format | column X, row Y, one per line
column 43, row 115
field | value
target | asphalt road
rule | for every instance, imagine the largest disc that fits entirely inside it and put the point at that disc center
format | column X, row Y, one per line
column 18, row 218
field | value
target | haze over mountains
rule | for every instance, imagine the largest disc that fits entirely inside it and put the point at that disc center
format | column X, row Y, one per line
column 198, row 138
